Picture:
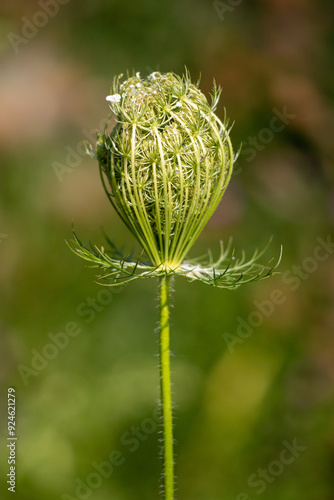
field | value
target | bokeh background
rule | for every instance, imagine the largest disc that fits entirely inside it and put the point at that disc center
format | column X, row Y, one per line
column 243, row 394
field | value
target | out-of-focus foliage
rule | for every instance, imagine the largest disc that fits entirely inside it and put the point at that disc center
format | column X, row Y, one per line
column 253, row 369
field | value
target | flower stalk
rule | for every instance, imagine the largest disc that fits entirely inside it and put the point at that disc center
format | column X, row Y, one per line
column 165, row 387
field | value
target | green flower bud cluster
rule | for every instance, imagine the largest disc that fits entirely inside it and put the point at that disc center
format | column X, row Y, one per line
column 167, row 162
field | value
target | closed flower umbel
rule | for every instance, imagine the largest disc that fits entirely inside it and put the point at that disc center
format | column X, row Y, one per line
column 168, row 162
column 164, row 167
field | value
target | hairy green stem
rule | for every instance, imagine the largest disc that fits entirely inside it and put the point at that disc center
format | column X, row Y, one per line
column 165, row 384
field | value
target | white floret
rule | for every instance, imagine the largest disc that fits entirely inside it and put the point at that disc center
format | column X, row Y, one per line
column 113, row 98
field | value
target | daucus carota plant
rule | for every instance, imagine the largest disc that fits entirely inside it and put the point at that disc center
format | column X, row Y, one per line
column 164, row 167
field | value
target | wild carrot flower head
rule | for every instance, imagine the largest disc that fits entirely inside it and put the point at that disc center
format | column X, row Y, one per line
column 164, row 167
column 168, row 162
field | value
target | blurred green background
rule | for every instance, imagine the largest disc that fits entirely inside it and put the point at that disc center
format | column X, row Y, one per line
column 243, row 394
